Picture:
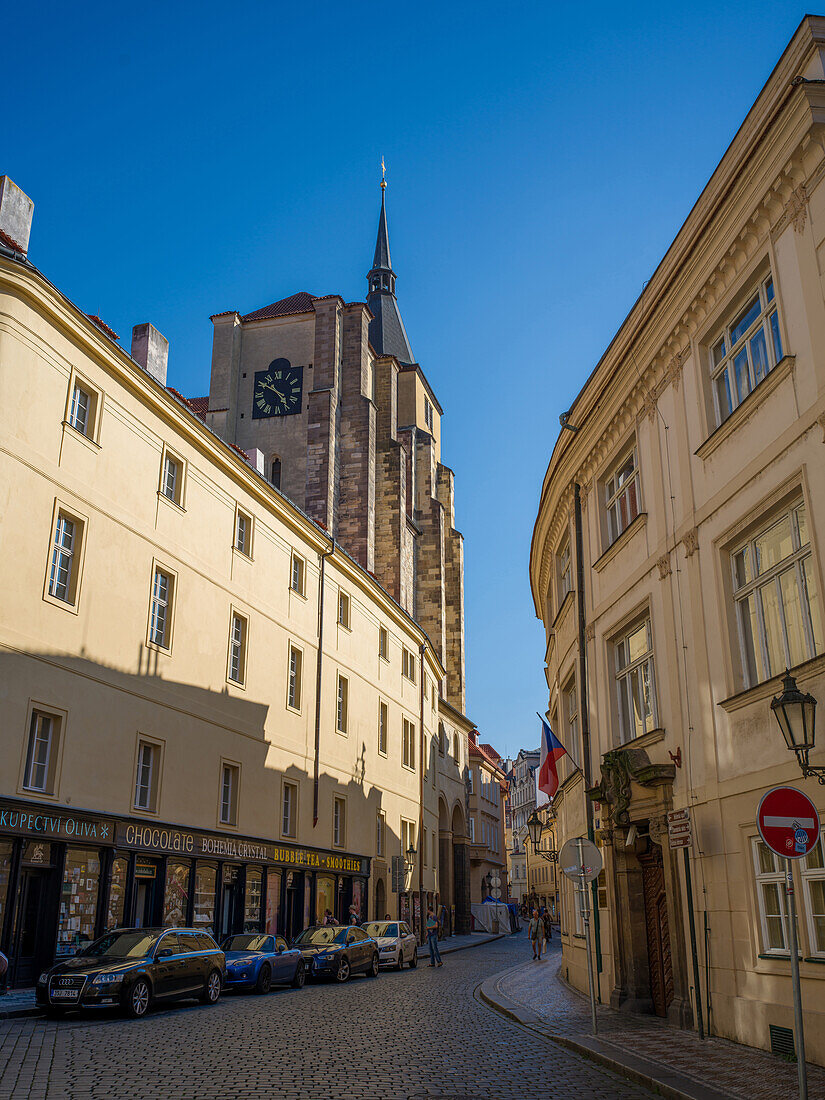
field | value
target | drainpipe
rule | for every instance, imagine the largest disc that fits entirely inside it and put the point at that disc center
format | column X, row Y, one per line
column 320, row 661
column 421, row 853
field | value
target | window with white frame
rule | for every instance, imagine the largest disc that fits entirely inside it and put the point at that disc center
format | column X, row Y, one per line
column 423, row 845
column 243, row 533
column 380, row 832
column 63, row 569
column 407, row 743
column 622, row 495
column 635, row 683
column 289, row 810
column 563, row 566
column 339, row 822
column 777, row 597
column 171, row 485
column 343, row 610
column 408, row 831
column 229, row 794
column 812, row 869
column 747, row 349
column 471, row 779
column 82, row 410
column 161, row 610
column 472, row 821
column 408, row 663
column 383, row 723
column 383, row 643
column 298, row 569
column 293, row 696
column 237, row 648
column 343, row 704
column 428, row 413
column 41, row 753
column 146, row 776
column 571, row 712
column 770, row 895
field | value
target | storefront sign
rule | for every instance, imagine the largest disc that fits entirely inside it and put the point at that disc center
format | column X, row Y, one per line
column 55, row 825
column 145, row 870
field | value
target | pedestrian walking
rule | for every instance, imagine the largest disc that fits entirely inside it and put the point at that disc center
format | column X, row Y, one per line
column 432, row 938
column 442, row 919
column 354, row 915
column 328, row 917
column 535, row 931
column 548, row 927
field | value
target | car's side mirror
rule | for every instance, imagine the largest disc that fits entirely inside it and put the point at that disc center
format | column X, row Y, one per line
column 165, row 953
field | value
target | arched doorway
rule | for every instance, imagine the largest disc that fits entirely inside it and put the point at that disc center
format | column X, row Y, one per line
column 445, row 865
column 461, row 872
column 380, row 899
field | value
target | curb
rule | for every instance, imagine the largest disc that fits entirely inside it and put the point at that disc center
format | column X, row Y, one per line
column 19, row 1013
column 651, row 1075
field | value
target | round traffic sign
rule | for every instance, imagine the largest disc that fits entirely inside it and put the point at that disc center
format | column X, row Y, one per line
column 579, row 853
column 788, row 822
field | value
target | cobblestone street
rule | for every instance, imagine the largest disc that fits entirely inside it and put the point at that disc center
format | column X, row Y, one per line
column 411, row 1035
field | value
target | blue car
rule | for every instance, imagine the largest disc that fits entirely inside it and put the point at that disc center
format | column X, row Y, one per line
column 259, row 961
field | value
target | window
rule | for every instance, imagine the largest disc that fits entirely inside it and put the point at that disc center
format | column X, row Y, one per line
column 456, row 748
column 146, row 776
column 293, row 695
column 442, row 739
column 383, row 722
column 289, row 809
column 423, row 846
column 770, row 891
column 243, row 533
column 746, row 350
column 380, row 832
column 472, row 830
column 79, row 412
column 171, row 482
column 435, row 849
column 571, row 707
column 339, row 822
column 41, row 754
column 777, row 598
column 296, row 582
column 237, row 648
column 471, row 778
column 564, row 570
column 428, row 413
column 343, row 610
column 63, row 568
column 229, row 794
column 635, row 683
column 407, row 837
column 275, row 471
column 343, row 700
column 407, row 663
column 383, row 643
column 621, row 493
column 407, row 743
column 160, row 615
column 812, row 869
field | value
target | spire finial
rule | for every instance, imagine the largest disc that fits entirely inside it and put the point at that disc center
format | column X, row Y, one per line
column 383, row 176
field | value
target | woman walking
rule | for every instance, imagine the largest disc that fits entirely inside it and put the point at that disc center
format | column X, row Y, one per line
column 535, row 932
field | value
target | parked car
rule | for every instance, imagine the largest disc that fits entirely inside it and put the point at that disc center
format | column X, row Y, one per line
column 256, row 961
column 131, row 968
column 396, row 943
column 336, row 951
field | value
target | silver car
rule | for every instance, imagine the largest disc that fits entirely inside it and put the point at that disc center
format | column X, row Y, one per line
column 396, row 943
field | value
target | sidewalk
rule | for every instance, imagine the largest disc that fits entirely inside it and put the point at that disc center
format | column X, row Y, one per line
column 646, row 1049
column 459, row 943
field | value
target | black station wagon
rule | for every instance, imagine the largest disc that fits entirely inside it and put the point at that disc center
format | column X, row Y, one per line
column 131, row 968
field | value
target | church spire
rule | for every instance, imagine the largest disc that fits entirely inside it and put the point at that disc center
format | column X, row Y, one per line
column 387, row 334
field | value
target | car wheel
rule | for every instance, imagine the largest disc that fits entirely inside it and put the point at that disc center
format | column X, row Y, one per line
column 264, row 981
column 138, row 999
column 414, row 959
column 300, row 976
column 212, row 991
column 375, row 966
column 342, row 973
column 400, row 964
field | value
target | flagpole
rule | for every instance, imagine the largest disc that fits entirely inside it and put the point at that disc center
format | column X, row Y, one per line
column 544, row 722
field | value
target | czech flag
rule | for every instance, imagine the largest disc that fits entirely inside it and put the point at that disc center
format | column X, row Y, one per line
column 552, row 750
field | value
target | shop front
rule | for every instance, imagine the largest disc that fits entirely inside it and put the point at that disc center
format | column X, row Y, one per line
column 66, row 878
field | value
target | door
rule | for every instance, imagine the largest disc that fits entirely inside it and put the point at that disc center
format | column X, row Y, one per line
column 195, row 964
column 283, row 965
column 658, row 932
column 30, row 947
column 169, row 975
column 360, row 951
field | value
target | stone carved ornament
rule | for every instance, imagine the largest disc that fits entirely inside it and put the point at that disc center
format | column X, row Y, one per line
column 620, row 767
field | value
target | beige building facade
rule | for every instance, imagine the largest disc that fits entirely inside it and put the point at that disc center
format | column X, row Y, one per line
column 213, row 713
column 697, row 446
column 486, row 790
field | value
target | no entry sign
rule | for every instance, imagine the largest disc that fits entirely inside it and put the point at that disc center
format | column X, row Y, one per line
column 788, row 822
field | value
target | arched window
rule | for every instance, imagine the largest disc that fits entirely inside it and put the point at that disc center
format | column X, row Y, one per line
column 275, row 472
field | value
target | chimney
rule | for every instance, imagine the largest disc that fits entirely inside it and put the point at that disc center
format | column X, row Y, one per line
column 16, row 209
column 151, row 350
column 257, row 461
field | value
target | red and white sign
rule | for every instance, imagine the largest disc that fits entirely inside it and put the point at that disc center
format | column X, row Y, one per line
column 788, row 822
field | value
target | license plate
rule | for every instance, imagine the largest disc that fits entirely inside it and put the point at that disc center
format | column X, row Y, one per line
column 64, row 994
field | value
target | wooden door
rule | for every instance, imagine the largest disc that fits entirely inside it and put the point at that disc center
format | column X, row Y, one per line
column 658, row 932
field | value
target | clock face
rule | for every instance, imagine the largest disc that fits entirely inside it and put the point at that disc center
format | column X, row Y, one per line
column 277, row 390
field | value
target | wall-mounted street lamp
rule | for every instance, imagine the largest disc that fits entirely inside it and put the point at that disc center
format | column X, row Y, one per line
column 535, row 827
column 795, row 712
column 409, row 857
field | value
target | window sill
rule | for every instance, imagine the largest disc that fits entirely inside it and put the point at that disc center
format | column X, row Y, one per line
column 768, row 688
column 619, row 543
column 29, row 791
column 742, row 411
column 813, row 959
column 344, row 626
column 87, row 440
column 295, row 592
column 55, row 601
column 172, row 503
column 293, row 710
column 158, row 648
column 781, row 956
column 562, row 611
column 652, row 737
column 242, row 554
column 236, row 684
column 144, row 813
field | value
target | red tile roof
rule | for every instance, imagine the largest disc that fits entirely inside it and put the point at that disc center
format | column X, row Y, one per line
column 302, row 302
column 10, row 242
column 199, row 406
column 488, row 753
column 104, row 328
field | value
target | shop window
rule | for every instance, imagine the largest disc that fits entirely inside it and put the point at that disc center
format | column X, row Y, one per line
column 324, row 898
column 383, row 643
column 160, row 612
column 78, row 901
column 635, row 681
column 146, row 777
column 770, row 893
column 344, row 610
column 289, row 814
column 171, row 478
column 252, row 900
column 293, row 698
column 176, row 896
column 407, row 743
column 64, row 564
column 747, row 349
column 339, row 822
column 243, row 533
column 204, row 912
column 5, row 870
column 273, row 901
column 297, row 572
column 42, row 753
column 383, row 722
column 812, row 869
column 342, row 705
column 230, row 775
column 117, row 894
column 237, row 648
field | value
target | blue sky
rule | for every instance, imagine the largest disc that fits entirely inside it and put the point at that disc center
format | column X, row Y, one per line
column 187, row 159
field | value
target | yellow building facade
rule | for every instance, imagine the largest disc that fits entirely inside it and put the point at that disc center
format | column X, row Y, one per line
column 696, row 447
